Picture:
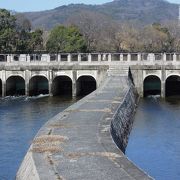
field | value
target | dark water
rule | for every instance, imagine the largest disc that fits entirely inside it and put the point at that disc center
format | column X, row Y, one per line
column 20, row 120
column 154, row 143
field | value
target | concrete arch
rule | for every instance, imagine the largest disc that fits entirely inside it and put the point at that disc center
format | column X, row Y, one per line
column 62, row 85
column 15, row 85
column 17, row 74
column 93, row 73
column 42, row 75
column 38, row 85
column 172, row 85
column 157, row 75
column 63, row 73
column 85, row 85
column 151, row 85
column 172, row 74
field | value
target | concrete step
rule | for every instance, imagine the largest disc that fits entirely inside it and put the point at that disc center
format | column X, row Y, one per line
column 118, row 70
column 117, row 73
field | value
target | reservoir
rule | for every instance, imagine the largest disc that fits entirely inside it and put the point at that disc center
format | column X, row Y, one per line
column 20, row 120
column 154, row 143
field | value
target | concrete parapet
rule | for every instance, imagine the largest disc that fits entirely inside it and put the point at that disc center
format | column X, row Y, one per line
column 77, row 143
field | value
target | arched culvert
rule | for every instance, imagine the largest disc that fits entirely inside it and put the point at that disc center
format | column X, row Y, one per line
column 172, row 87
column 15, row 86
column 85, row 85
column 38, row 85
column 62, row 85
column 0, row 88
column 152, row 86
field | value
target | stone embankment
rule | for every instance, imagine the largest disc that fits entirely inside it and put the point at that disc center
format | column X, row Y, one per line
column 79, row 142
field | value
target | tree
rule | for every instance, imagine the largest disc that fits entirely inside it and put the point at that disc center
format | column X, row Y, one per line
column 66, row 39
column 174, row 30
column 98, row 29
column 36, row 40
column 7, row 31
column 156, row 38
column 128, row 38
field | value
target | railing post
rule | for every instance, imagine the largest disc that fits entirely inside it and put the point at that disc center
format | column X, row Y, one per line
column 59, row 58
column 174, row 57
column 139, row 57
column 89, row 57
column 152, row 57
column 164, row 57
column 48, row 58
column 121, row 57
column 99, row 57
column 79, row 57
column 69, row 57
column 109, row 57
column 129, row 57
column 11, row 58
column 28, row 58
column 8, row 58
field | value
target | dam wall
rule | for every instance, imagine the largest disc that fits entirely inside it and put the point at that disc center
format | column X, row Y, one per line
column 122, row 120
column 87, row 140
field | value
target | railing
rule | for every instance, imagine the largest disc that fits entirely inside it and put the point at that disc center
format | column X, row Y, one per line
column 125, row 58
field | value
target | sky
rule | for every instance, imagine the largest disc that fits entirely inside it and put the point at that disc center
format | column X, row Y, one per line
column 37, row 5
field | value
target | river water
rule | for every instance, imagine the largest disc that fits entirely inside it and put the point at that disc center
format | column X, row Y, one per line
column 20, row 120
column 154, row 143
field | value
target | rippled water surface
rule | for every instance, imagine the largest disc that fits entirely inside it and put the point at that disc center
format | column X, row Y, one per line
column 154, row 143
column 20, row 120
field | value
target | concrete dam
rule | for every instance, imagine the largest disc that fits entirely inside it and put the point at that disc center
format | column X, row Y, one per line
column 82, row 141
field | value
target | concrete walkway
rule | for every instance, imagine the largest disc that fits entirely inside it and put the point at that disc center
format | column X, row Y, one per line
column 77, row 143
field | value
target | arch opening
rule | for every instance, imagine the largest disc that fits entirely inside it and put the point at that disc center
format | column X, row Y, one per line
column 152, row 86
column 85, row 85
column 15, row 86
column 172, row 86
column 62, row 85
column 38, row 85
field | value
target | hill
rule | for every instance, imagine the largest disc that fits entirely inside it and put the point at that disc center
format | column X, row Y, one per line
column 136, row 11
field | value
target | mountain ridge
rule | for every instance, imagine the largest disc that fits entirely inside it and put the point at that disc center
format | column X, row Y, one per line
column 136, row 11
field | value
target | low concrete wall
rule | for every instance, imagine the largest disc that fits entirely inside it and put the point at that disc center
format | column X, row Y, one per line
column 77, row 143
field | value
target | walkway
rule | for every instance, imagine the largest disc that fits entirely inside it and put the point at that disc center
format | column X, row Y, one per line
column 77, row 143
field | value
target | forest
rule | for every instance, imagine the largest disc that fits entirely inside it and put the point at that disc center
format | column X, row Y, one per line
column 86, row 33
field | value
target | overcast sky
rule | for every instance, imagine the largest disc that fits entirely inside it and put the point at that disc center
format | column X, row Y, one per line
column 36, row 5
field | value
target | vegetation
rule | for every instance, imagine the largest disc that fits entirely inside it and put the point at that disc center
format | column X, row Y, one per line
column 16, row 34
column 87, row 32
column 66, row 39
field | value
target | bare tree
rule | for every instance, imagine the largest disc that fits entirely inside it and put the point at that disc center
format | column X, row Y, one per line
column 98, row 29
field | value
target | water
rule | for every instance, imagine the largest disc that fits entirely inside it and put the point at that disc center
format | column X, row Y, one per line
column 20, row 120
column 154, row 143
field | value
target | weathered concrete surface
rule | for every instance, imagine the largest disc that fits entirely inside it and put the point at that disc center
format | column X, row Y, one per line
column 77, row 143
